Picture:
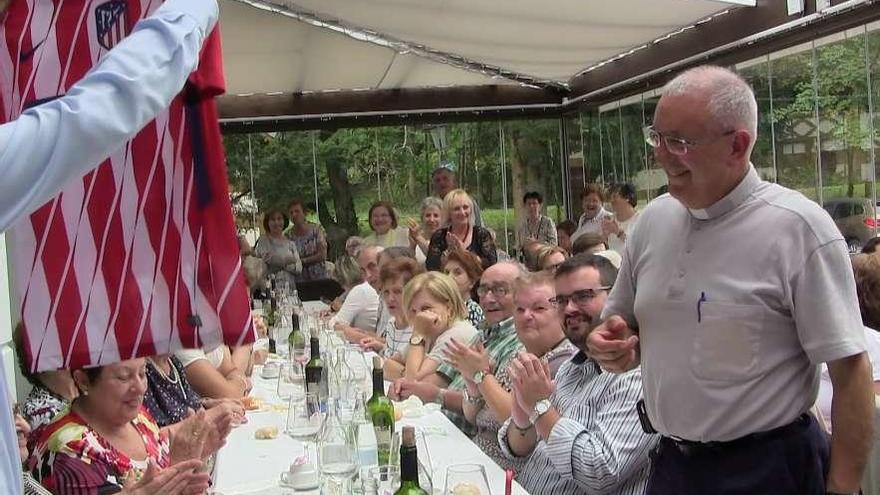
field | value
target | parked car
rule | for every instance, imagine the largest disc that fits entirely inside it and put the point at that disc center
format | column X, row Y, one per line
column 856, row 218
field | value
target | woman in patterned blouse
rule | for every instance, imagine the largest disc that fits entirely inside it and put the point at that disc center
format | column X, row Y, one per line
column 539, row 328
column 464, row 267
column 460, row 232
column 310, row 241
column 106, row 439
column 535, row 226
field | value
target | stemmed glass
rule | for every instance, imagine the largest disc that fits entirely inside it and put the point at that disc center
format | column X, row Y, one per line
column 466, row 479
column 290, row 380
column 304, row 417
column 300, row 352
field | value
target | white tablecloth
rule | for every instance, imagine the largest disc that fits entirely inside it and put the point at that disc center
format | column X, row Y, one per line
column 249, row 466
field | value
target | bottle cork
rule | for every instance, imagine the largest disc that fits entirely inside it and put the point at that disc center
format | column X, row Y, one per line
column 409, row 437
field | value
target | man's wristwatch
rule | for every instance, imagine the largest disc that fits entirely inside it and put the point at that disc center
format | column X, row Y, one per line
column 541, row 407
column 416, row 339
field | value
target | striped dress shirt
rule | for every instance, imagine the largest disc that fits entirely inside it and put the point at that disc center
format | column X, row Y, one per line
column 597, row 446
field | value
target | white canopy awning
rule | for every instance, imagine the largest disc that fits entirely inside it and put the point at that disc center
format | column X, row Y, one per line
column 282, row 46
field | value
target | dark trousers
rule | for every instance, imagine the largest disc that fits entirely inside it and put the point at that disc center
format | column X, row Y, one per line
column 791, row 461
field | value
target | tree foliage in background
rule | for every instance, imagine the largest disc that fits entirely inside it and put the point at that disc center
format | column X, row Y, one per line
column 356, row 167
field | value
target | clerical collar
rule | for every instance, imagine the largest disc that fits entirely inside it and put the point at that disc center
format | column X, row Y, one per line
column 733, row 199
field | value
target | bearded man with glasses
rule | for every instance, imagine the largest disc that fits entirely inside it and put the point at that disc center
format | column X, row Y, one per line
column 732, row 292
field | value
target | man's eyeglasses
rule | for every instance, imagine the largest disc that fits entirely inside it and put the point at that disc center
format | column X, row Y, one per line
column 675, row 145
column 498, row 290
column 578, row 297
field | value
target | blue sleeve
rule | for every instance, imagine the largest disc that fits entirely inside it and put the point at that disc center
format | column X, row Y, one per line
column 61, row 140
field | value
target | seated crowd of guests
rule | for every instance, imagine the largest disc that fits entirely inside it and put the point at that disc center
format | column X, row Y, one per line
column 500, row 345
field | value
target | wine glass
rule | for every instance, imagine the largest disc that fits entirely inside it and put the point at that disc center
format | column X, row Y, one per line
column 304, row 416
column 466, row 479
column 300, row 352
column 290, row 380
column 382, row 480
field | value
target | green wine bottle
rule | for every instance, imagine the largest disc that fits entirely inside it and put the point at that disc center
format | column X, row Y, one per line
column 296, row 339
column 316, row 375
column 409, row 465
column 381, row 412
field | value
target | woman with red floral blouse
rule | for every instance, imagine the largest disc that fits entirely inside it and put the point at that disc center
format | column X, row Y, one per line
column 106, row 439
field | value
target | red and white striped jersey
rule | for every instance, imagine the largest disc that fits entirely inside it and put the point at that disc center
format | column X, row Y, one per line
column 140, row 256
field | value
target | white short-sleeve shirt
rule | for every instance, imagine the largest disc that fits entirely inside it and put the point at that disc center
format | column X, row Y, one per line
column 189, row 356
column 360, row 308
column 736, row 305
column 823, row 402
column 461, row 330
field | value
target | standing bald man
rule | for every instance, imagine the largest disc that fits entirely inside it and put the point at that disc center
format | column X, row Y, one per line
column 731, row 293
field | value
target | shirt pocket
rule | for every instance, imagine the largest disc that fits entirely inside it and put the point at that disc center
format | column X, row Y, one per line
column 727, row 344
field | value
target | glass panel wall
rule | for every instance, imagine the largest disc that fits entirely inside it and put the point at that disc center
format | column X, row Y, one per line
column 817, row 128
column 338, row 174
column 817, row 134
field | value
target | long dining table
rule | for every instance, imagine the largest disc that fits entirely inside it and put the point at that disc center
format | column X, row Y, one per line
column 247, row 466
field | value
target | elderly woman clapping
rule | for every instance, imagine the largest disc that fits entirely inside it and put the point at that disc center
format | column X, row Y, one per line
column 487, row 404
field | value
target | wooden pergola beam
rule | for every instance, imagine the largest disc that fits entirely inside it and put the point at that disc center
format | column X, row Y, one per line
column 384, row 107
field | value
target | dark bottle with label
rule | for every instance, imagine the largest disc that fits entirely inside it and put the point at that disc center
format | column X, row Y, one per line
column 316, row 373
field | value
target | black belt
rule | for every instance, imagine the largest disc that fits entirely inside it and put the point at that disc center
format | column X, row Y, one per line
column 691, row 448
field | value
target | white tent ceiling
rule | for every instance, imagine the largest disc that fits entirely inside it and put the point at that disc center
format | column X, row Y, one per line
column 283, row 46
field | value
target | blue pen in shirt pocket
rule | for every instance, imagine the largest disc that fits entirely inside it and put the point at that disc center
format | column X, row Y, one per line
column 700, row 307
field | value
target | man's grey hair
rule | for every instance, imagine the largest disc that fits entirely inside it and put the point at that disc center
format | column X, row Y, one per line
column 731, row 100
column 520, row 268
column 365, row 246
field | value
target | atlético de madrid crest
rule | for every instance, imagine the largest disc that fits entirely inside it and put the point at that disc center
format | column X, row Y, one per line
column 110, row 22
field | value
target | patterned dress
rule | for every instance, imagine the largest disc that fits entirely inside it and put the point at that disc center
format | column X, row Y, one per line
column 70, row 458
column 308, row 245
column 169, row 396
column 281, row 257
column 41, row 405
